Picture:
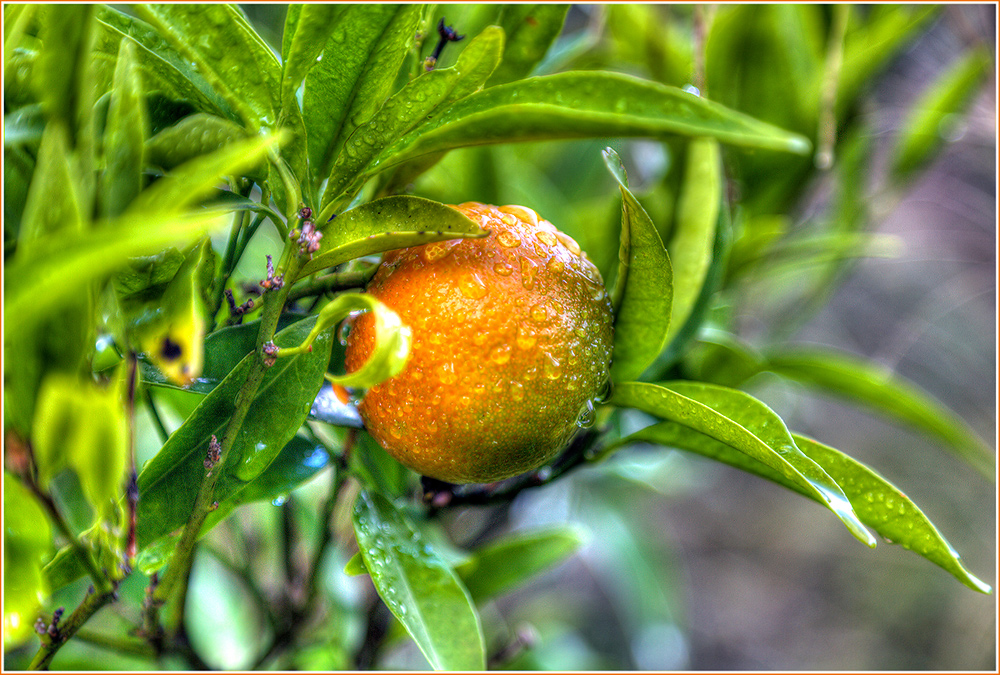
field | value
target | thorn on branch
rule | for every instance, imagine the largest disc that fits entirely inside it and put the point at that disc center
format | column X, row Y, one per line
column 448, row 34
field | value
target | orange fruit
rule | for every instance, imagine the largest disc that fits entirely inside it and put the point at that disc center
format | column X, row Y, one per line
column 511, row 344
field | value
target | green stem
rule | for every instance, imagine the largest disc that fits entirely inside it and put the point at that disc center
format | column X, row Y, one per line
column 83, row 553
column 122, row 645
column 331, row 283
column 93, row 602
column 831, row 80
column 228, row 261
column 161, row 428
column 180, row 566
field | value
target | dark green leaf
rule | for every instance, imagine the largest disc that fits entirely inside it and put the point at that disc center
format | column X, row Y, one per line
column 297, row 462
column 418, row 586
column 386, row 224
column 377, row 469
column 169, row 482
column 124, row 137
column 745, row 424
column 421, row 99
column 870, row 384
column 530, row 29
column 643, row 291
column 361, row 57
column 227, row 52
column 925, row 128
column 506, row 564
column 582, row 105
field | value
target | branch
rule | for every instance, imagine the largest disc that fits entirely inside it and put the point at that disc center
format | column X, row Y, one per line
column 62, row 633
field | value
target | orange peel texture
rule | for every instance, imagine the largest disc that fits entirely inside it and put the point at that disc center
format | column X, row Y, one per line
column 512, row 337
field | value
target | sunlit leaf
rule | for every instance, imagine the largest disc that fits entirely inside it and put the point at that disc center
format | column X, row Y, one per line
column 26, row 540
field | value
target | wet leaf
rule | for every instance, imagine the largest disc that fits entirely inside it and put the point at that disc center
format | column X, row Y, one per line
column 643, row 290
column 195, row 135
column 418, row 586
column 744, row 424
column 169, row 482
column 386, row 224
column 366, row 46
column 124, row 136
column 503, row 565
column 530, row 29
column 307, row 29
column 866, row 383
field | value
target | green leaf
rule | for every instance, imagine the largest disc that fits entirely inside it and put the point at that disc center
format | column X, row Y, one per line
column 124, row 137
column 418, row 586
column 64, row 58
column 226, row 51
column 81, row 426
column 193, row 136
column 392, row 339
column 530, row 29
column 863, row 382
column 925, row 127
column 298, row 461
column 355, row 567
column 37, row 285
column 377, row 470
column 197, row 179
column 165, row 69
column 361, row 57
column 53, row 205
column 583, row 105
column 27, row 538
column 503, row 565
column 421, row 99
column 643, row 291
column 387, row 224
column 169, row 482
column 745, row 424
column 693, row 234
column 307, row 29
column 24, row 125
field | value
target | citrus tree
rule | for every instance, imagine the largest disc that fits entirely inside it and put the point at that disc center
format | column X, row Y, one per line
column 195, row 203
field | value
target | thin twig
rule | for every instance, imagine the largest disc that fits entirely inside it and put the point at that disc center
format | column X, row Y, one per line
column 331, row 283
column 67, row 629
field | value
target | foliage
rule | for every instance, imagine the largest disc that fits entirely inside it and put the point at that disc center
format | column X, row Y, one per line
column 146, row 182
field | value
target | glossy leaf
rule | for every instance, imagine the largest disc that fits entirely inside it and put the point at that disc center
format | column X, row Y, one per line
column 361, row 57
column 386, row 224
column 392, row 339
column 27, row 539
column 169, row 482
column 194, row 135
column 925, row 128
column 866, row 383
column 81, row 426
column 420, row 99
column 530, row 29
column 377, row 470
column 418, row 586
column 307, row 29
column 124, row 137
column 226, row 51
column 643, row 290
column 693, row 234
column 503, row 565
column 582, row 105
column 164, row 68
column 745, row 424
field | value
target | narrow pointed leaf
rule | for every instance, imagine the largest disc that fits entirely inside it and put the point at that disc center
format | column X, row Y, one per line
column 418, row 586
column 745, row 424
column 168, row 484
column 307, row 29
column 530, row 29
column 862, row 382
column 125, row 135
column 386, row 224
column 643, row 291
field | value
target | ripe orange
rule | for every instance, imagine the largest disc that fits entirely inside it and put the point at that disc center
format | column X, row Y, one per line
column 511, row 343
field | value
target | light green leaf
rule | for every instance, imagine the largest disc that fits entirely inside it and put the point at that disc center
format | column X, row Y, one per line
column 169, row 482
column 387, row 224
column 361, row 57
column 124, row 136
column 505, row 564
column 307, row 29
column 27, row 538
column 226, row 51
column 530, row 29
column 693, row 235
column 418, row 586
column 392, row 339
column 926, row 126
column 643, row 291
column 745, row 424
column 194, row 135
column 863, row 382
column 52, row 207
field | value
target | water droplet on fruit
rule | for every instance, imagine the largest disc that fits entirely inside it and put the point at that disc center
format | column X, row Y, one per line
column 479, row 389
column 472, row 286
column 552, row 367
column 569, row 243
column 525, row 339
column 539, row 313
column 517, row 391
column 498, row 386
column 523, row 213
column 503, row 269
column 437, row 250
column 446, row 374
column 508, row 219
column 555, row 265
column 528, row 270
column 479, row 339
column 546, row 237
column 500, row 354
column 586, row 418
column 508, row 239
